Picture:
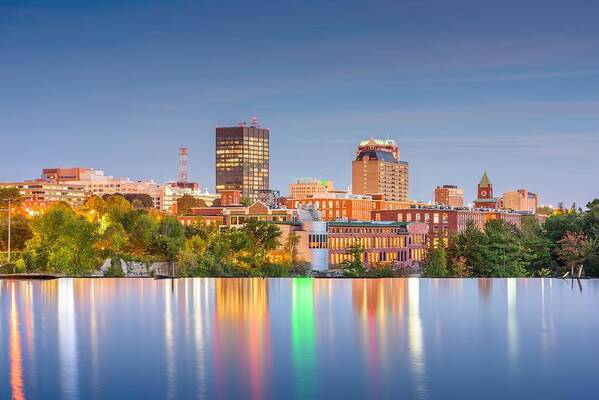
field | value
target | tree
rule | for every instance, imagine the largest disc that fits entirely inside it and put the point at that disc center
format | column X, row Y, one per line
column 435, row 264
column 10, row 193
column 62, row 242
column 543, row 210
column 114, row 240
column 354, row 267
column 169, row 239
column 186, row 202
column 116, row 208
column 142, row 200
column 574, row 249
column 463, row 252
column 291, row 248
column 263, row 237
column 141, row 228
column 537, row 246
column 502, row 253
column 188, row 259
column 20, row 232
column 245, row 201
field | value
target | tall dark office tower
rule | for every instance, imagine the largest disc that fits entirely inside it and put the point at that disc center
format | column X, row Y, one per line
column 242, row 159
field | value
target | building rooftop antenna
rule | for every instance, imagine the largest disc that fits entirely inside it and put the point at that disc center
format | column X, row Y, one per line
column 183, row 165
column 255, row 123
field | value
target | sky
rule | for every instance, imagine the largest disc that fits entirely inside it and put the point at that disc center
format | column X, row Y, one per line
column 463, row 86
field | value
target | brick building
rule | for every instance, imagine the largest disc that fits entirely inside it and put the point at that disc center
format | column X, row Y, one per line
column 449, row 195
column 443, row 222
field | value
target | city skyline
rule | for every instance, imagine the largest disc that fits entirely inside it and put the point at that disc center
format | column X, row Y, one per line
column 460, row 95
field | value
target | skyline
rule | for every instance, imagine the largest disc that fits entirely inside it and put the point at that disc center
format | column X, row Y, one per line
column 462, row 88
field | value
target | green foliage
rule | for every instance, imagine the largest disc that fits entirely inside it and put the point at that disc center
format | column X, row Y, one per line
column 115, row 270
column 435, row 264
column 20, row 232
column 537, row 245
column 169, row 239
column 141, row 228
column 245, row 201
column 262, row 237
column 139, row 200
column 502, row 251
column 9, row 193
column 463, row 252
column 354, row 267
column 586, row 223
column 498, row 251
column 186, row 202
column 61, row 242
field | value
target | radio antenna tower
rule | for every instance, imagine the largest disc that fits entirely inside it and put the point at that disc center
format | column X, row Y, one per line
column 183, row 166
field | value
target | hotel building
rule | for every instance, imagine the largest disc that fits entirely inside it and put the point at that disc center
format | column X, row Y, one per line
column 449, row 195
column 242, row 159
column 377, row 169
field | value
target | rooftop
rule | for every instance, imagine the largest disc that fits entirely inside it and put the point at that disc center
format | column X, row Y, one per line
column 376, row 155
column 484, row 181
column 372, row 224
column 382, row 142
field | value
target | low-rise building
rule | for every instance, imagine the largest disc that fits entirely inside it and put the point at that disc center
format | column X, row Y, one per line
column 237, row 216
column 443, row 222
column 520, row 200
column 305, row 188
column 97, row 183
column 346, row 206
column 43, row 193
column 383, row 242
column 449, row 195
column 170, row 192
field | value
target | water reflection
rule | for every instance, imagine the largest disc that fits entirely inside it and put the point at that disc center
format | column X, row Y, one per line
column 380, row 307
column 485, row 285
column 201, row 327
column 297, row 338
column 16, row 357
column 242, row 332
column 168, row 289
column 417, row 358
column 93, row 336
column 512, row 323
column 67, row 340
column 303, row 337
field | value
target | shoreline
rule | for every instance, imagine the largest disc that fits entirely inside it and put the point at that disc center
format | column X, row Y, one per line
column 46, row 277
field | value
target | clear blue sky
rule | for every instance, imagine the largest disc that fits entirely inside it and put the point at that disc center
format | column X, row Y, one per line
column 463, row 85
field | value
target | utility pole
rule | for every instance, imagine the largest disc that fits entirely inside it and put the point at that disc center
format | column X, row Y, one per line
column 14, row 266
column 9, row 232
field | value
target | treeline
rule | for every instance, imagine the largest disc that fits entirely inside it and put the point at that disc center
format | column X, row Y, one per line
column 568, row 241
column 76, row 242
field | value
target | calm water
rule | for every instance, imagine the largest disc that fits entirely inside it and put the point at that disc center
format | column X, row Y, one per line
column 298, row 338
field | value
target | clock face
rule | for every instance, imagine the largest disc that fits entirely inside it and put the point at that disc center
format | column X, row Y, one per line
column 483, row 193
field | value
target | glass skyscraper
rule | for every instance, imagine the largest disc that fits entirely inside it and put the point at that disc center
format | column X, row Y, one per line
column 242, row 159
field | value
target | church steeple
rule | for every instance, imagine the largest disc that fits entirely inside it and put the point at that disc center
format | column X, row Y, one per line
column 484, row 181
column 485, row 197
